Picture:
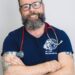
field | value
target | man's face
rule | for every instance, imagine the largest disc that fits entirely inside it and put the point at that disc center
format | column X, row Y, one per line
column 32, row 12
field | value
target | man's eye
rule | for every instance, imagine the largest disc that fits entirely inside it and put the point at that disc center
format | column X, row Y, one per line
column 36, row 4
column 26, row 7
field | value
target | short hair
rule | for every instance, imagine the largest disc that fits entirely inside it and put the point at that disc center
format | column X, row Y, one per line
column 19, row 2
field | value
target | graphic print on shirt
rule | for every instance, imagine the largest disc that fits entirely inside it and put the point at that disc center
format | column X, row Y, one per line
column 50, row 45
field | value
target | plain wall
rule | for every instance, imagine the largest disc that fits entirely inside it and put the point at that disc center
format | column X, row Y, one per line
column 59, row 13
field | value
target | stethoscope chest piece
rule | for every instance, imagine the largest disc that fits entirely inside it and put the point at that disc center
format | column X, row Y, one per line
column 20, row 54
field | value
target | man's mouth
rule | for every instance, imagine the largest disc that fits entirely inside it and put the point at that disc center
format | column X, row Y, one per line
column 33, row 17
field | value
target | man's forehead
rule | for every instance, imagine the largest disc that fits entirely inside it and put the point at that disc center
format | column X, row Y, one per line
column 28, row 1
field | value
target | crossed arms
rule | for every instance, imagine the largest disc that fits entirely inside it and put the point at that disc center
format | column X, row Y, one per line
column 64, row 66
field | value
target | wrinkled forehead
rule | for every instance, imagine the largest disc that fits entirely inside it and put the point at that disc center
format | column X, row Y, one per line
column 27, row 1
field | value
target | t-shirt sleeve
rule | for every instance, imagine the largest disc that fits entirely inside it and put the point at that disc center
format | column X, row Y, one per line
column 9, row 44
column 65, row 46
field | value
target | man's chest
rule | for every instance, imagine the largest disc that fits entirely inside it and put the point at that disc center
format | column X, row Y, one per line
column 38, row 51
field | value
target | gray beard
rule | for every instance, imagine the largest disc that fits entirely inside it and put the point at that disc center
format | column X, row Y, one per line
column 33, row 25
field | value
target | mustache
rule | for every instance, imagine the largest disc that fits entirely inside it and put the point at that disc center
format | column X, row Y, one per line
column 38, row 14
column 33, row 24
column 41, row 16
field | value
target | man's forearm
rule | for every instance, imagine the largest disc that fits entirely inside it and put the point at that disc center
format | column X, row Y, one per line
column 17, row 66
column 39, row 69
column 63, row 71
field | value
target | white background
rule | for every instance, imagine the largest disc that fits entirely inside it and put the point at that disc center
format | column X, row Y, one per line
column 59, row 13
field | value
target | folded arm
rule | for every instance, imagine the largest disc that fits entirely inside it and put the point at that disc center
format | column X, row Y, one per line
column 67, row 65
column 16, row 67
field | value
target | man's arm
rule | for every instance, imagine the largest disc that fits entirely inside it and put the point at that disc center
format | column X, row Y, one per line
column 26, row 70
column 17, row 67
column 14, row 66
column 67, row 65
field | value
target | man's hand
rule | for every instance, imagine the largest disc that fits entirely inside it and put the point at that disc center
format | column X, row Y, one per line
column 13, row 60
column 67, row 63
column 53, row 65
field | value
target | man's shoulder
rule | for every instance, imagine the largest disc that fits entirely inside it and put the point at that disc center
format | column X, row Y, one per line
column 16, row 31
column 51, row 27
column 57, row 30
column 61, row 34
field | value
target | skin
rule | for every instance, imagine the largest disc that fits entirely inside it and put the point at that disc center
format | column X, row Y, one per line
column 64, row 65
column 17, row 67
column 37, row 32
column 67, row 65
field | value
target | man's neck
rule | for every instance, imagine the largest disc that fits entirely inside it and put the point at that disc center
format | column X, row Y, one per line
column 37, row 32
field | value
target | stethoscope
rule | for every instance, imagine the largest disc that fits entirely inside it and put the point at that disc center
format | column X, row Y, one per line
column 54, row 42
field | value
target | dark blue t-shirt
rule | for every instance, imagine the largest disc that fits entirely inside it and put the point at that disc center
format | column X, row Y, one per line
column 38, row 50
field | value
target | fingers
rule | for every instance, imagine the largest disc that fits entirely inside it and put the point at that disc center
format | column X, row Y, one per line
column 54, row 65
column 17, row 60
column 57, row 65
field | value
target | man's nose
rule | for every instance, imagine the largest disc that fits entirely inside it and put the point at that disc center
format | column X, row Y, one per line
column 31, row 9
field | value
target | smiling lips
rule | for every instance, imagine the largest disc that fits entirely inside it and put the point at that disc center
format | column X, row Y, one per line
column 33, row 17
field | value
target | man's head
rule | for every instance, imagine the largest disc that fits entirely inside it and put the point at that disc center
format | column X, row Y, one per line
column 32, row 12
